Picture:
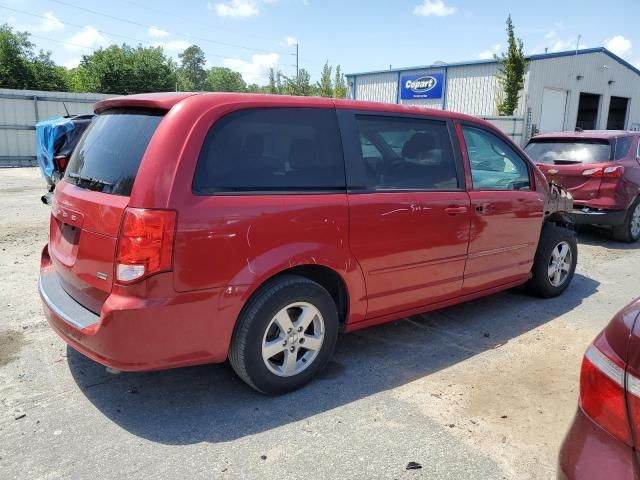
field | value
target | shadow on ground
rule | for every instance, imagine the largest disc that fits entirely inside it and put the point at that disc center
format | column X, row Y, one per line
column 602, row 237
column 210, row 404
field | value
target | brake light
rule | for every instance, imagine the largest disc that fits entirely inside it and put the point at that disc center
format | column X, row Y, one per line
column 60, row 163
column 602, row 392
column 615, row 171
column 145, row 245
column 592, row 172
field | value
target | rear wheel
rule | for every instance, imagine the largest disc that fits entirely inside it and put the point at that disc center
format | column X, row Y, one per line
column 285, row 335
column 555, row 261
column 629, row 230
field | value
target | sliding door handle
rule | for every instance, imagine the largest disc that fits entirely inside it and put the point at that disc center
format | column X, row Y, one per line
column 455, row 210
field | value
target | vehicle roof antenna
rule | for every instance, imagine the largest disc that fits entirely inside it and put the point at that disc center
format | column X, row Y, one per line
column 66, row 110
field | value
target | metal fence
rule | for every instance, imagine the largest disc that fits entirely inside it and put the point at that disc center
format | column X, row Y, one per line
column 20, row 110
column 514, row 127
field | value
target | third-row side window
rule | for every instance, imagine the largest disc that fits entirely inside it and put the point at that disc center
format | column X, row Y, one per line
column 272, row 150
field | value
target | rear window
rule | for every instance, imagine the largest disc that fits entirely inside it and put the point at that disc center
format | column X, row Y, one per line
column 108, row 156
column 569, row 152
column 272, row 150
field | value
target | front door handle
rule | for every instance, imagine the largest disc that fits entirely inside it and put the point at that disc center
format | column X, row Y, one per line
column 455, row 210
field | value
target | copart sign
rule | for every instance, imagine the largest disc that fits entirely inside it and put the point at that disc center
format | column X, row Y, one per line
column 421, row 86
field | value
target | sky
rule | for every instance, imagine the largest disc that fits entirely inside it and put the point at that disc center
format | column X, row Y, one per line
column 251, row 36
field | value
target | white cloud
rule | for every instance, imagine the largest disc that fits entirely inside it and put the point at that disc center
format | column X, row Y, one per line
column 73, row 63
column 88, row 37
column 434, row 7
column 490, row 52
column 550, row 34
column 560, row 45
column 290, row 41
column 235, row 8
column 157, row 32
column 173, row 45
column 50, row 23
column 619, row 45
column 255, row 71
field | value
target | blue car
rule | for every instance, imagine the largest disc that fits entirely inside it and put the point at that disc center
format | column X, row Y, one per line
column 56, row 139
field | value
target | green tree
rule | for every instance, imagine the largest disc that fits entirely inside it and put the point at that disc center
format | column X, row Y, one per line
column 47, row 75
column 15, row 59
column 325, row 85
column 339, row 84
column 299, row 85
column 221, row 79
column 192, row 67
column 21, row 68
column 275, row 82
column 512, row 68
column 125, row 70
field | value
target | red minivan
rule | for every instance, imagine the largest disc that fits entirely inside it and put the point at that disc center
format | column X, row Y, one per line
column 601, row 169
column 604, row 437
column 192, row 228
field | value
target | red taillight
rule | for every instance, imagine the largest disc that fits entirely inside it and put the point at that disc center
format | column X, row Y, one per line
column 592, row 172
column 602, row 393
column 145, row 245
column 60, row 163
column 614, row 171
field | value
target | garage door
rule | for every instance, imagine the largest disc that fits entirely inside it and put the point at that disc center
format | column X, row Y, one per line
column 554, row 103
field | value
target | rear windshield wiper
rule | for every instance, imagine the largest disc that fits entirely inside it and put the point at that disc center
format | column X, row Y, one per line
column 90, row 181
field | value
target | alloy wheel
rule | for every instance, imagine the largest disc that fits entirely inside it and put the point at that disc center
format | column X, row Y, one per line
column 293, row 339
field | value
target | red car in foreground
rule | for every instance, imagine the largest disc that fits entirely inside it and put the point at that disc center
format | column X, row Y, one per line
column 601, row 169
column 603, row 440
column 192, row 228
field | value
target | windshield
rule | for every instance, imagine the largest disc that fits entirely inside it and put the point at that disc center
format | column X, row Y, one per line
column 558, row 152
column 108, row 156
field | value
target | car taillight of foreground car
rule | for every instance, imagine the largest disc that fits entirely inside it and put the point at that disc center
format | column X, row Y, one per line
column 601, row 441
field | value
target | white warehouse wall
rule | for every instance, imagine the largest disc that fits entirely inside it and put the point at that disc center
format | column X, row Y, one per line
column 378, row 87
column 475, row 90
column 596, row 69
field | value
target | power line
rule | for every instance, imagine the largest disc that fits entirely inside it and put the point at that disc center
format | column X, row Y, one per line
column 104, row 32
column 174, row 15
column 143, row 25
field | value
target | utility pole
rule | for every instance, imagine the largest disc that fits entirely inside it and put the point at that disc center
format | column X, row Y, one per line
column 297, row 63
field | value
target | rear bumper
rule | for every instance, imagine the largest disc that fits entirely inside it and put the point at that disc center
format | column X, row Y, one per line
column 587, row 216
column 590, row 453
column 138, row 334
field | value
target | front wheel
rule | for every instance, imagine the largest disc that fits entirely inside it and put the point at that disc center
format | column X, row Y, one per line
column 629, row 230
column 555, row 261
column 285, row 335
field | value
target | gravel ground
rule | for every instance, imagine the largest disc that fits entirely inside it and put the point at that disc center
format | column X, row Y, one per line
column 485, row 389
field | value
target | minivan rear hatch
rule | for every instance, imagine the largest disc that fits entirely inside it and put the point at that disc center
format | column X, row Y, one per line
column 569, row 161
column 90, row 201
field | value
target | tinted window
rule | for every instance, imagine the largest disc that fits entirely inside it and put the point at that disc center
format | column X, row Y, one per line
column 567, row 152
column 622, row 146
column 272, row 149
column 108, row 156
column 494, row 164
column 405, row 153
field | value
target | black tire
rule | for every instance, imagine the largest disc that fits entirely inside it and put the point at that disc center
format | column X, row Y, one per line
column 551, row 236
column 245, row 354
column 623, row 232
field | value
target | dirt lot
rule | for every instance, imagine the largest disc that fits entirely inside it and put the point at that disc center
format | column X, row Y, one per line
column 482, row 390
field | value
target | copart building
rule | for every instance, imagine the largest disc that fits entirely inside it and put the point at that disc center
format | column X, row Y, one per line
column 589, row 89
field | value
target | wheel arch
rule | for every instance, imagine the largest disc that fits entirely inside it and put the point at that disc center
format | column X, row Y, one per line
column 330, row 279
